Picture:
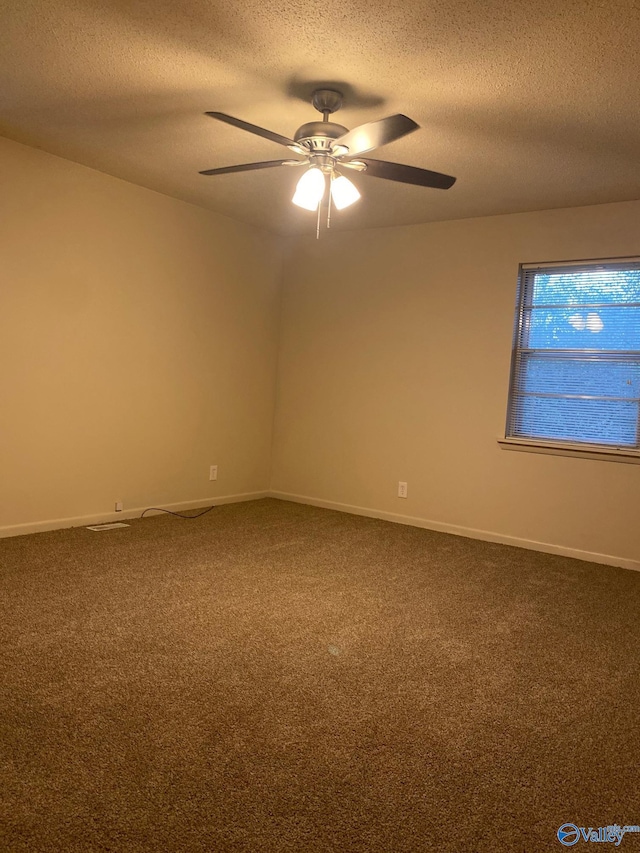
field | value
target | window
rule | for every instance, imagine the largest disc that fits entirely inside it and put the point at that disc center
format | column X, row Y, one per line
column 575, row 373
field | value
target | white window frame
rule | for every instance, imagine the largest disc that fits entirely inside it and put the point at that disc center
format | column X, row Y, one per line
column 562, row 447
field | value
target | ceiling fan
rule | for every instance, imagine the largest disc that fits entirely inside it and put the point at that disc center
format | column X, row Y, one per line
column 326, row 148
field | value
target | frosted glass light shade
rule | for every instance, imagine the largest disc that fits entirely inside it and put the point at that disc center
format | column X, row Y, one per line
column 343, row 192
column 310, row 189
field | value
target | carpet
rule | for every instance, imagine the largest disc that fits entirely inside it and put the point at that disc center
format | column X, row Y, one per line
column 278, row 677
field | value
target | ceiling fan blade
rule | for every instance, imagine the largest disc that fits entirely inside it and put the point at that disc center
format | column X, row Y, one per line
column 250, row 167
column 375, row 133
column 406, row 174
column 259, row 131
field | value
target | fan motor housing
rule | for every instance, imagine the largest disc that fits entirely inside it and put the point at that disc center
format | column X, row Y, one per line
column 319, row 135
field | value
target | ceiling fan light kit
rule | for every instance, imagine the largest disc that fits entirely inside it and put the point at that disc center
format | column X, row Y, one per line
column 310, row 189
column 312, row 186
column 343, row 192
column 326, row 147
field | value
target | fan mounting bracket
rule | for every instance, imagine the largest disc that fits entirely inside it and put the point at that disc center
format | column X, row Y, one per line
column 327, row 101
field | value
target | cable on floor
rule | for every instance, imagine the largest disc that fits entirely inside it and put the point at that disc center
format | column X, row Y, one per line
column 177, row 514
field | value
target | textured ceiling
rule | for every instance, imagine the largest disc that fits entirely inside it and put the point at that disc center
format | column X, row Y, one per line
column 531, row 105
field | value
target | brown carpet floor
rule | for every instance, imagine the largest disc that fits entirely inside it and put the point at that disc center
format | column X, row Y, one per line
column 276, row 677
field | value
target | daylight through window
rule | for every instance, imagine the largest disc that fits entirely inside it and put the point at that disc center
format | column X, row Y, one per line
column 575, row 375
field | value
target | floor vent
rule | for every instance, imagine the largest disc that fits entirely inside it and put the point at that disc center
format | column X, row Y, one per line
column 111, row 526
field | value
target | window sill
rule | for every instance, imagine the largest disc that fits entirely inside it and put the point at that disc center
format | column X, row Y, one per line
column 587, row 451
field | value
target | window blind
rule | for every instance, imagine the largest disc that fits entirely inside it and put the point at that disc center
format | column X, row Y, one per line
column 575, row 375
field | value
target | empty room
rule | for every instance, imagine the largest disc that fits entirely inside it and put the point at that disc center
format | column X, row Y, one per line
column 319, row 426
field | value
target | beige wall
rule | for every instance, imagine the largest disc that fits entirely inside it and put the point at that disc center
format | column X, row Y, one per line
column 138, row 344
column 394, row 365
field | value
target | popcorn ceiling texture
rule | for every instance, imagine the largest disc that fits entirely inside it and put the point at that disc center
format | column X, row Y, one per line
column 531, row 105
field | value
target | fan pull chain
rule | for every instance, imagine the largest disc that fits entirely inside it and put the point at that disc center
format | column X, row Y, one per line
column 329, row 204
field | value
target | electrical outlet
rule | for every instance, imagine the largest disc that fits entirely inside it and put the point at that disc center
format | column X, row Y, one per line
column 213, row 472
column 119, row 506
column 402, row 490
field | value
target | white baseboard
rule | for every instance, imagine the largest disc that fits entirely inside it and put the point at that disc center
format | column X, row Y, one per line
column 414, row 521
column 468, row 532
column 104, row 517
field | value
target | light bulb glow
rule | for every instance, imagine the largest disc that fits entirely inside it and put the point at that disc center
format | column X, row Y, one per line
column 310, row 189
column 343, row 192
